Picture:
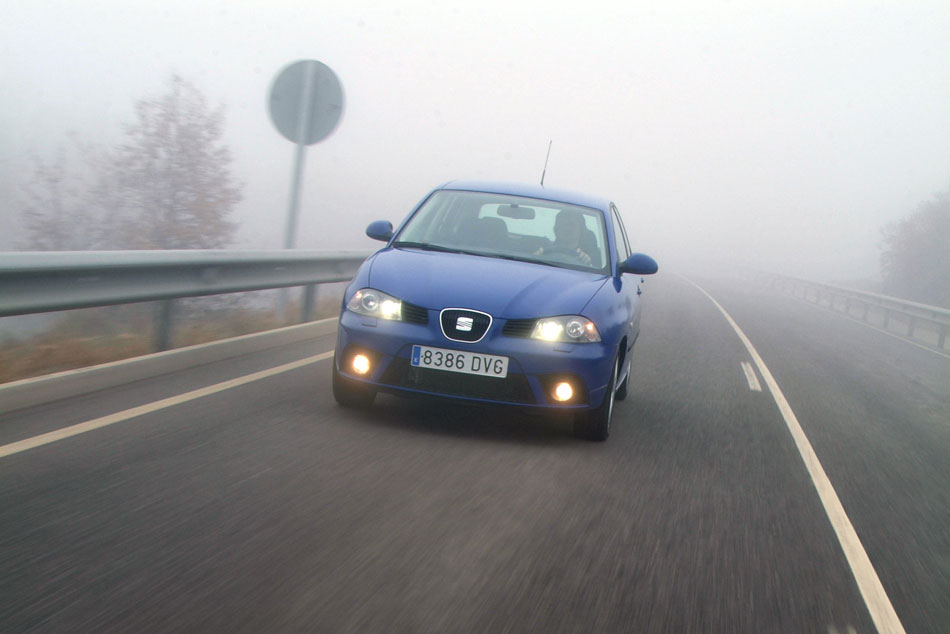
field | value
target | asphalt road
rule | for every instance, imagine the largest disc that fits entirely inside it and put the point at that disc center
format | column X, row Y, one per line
column 267, row 508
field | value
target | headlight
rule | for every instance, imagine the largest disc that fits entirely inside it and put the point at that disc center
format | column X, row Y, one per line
column 569, row 328
column 373, row 303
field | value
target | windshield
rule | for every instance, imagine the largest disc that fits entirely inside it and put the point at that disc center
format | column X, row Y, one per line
column 499, row 225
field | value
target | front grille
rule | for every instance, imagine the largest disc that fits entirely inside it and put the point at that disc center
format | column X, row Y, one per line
column 474, row 324
column 414, row 314
column 512, row 389
column 519, row 327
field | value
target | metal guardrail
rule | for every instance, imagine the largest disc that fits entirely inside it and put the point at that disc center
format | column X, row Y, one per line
column 911, row 319
column 38, row 282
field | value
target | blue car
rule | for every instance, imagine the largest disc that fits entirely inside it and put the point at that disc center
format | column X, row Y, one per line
column 499, row 293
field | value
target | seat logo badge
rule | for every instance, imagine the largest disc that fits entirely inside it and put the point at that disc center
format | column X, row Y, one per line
column 464, row 324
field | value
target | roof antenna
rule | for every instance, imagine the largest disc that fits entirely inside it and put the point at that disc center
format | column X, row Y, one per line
column 546, row 162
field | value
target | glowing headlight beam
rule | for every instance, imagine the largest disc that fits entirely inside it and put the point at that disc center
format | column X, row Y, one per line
column 390, row 309
column 550, row 330
column 373, row 303
column 566, row 328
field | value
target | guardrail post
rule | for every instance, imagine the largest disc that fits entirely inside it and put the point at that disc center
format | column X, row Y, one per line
column 163, row 324
column 909, row 316
column 309, row 297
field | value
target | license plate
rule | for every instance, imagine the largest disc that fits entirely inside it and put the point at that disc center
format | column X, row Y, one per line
column 464, row 362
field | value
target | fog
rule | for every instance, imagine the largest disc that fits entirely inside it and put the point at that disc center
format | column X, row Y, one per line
column 779, row 135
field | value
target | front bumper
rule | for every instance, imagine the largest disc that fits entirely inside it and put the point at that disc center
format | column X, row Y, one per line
column 534, row 366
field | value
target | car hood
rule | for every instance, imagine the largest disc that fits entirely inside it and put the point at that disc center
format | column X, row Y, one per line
column 503, row 288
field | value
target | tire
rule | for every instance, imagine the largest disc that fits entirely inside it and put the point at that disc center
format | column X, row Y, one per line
column 595, row 424
column 622, row 389
column 350, row 393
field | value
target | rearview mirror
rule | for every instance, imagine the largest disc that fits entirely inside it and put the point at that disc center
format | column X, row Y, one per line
column 380, row 230
column 516, row 212
column 639, row 264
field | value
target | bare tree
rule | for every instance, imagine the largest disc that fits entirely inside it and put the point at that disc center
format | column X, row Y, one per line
column 57, row 209
column 915, row 258
column 167, row 185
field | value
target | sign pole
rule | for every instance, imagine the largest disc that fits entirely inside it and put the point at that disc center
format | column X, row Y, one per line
column 303, row 132
column 306, row 101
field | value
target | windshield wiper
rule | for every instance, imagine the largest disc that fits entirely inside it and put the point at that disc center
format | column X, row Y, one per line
column 428, row 246
column 518, row 258
column 425, row 246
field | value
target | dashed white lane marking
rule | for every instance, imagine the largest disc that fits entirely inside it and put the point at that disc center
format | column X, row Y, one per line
column 877, row 602
column 753, row 380
column 148, row 408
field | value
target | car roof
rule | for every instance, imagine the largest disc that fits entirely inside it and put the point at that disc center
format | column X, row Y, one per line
column 529, row 190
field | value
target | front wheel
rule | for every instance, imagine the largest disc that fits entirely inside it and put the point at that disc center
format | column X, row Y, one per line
column 595, row 424
column 622, row 388
column 349, row 393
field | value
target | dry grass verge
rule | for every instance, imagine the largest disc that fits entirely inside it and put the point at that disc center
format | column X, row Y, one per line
column 83, row 338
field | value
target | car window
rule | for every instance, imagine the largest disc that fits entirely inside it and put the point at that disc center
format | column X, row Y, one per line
column 620, row 236
column 510, row 226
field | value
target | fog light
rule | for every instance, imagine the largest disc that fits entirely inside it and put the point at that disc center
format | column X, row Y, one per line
column 563, row 391
column 361, row 364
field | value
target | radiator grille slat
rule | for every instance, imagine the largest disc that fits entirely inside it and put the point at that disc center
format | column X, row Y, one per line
column 414, row 314
column 519, row 327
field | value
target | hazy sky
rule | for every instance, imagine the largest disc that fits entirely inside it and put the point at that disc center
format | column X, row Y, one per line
column 781, row 134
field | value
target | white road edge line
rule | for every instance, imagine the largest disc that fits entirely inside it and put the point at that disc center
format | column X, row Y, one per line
column 148, row 408
column 875, row 598
column 754, row 384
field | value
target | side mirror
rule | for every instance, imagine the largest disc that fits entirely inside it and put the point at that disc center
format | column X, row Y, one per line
column 380, row 230
column 639, row 264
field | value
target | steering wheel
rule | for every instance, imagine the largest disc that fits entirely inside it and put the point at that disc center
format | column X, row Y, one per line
column 560, row 249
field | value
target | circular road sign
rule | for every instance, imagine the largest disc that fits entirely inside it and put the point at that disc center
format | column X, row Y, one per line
column 306, row 101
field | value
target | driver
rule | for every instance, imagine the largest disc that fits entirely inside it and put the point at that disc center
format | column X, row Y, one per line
column 568, row 228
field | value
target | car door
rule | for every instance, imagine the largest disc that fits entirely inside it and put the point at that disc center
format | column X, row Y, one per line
column 627, row 285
